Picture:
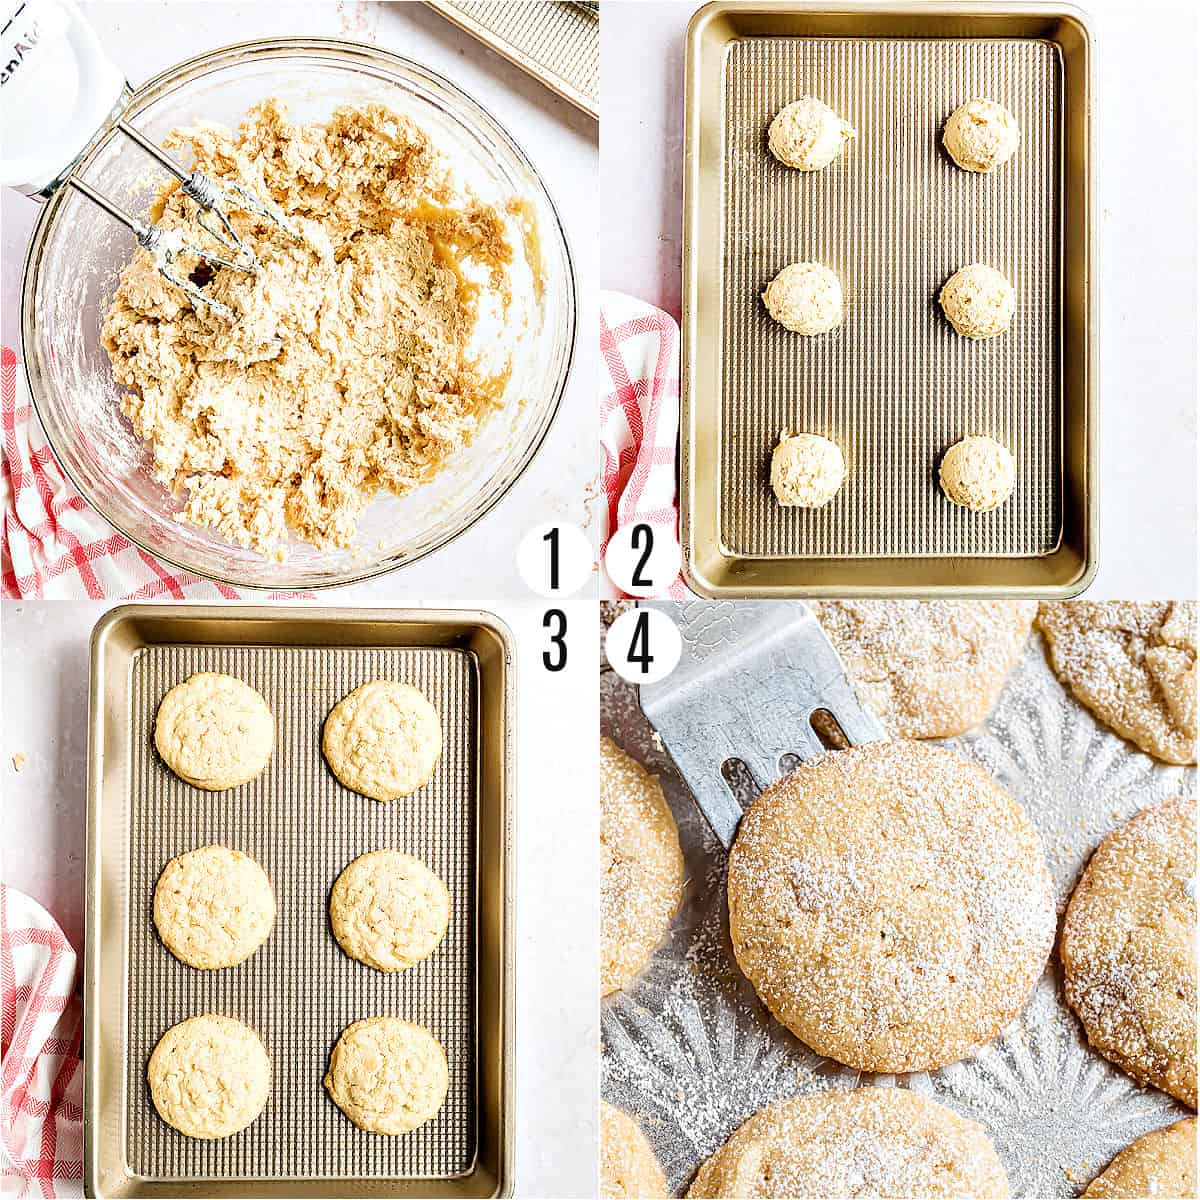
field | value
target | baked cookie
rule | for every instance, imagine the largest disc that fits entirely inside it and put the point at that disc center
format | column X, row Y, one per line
column 387, row 1075
column 389, row 910
column 866, row 1142
column 641, row 866
column 628, row 1168
column 209, row 1076
column 214, row 731
column 1162, row 1163
column 383, row 740
column 891, row 905
column 1133, row 665
column 213, row 907
column 928, row 668
column 1129, row 948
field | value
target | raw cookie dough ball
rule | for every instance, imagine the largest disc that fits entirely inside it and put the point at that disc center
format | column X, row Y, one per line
column 808, row 134
column 1162, row 1163
column 641, row 866
column 213, row 907
column 388, row 1075
column 1129, row 948
column 891, row 905
column 214, row 731
column 978, row 473
column 978, row 301
column 866, row 1142
column 383, row 740
column 806, row 470
column 628, row 1168
column 928, row 668
column 209, row 1076
column 389, row 910
column 1133, row 664
column 805, row 298
column 981, row 135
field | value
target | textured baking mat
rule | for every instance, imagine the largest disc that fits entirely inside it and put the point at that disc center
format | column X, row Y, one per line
column 895, row 386
column 555, row 41
column 691, row 1052
column 299, row 990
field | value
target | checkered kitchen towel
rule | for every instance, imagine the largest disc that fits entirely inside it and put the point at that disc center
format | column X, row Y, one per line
column 54, row 546
column 639, row 422
column 41, row 1074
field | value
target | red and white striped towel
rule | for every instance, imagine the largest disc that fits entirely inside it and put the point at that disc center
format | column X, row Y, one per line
column 55, row 547
column 41, row 1074
column 639, row 422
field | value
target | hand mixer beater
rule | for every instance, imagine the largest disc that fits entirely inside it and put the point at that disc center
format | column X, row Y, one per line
column 46, row 123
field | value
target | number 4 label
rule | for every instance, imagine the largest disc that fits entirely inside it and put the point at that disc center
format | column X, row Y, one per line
column 643, row 645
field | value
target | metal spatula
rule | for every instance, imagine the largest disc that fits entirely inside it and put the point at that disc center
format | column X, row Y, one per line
column 748, row 682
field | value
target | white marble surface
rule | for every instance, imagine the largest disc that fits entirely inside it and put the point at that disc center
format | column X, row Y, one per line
column 1146, row 126
column 44, row 717
column 145, row 36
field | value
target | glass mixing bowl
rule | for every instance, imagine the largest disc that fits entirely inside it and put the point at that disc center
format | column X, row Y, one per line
column 78, row 251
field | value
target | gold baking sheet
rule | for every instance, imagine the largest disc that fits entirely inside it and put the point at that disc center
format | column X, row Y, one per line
column 894, row 218
column 555, row 41
column 299, row 990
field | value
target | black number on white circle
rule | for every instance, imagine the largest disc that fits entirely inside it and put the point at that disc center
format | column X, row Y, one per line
column 551, row 539
column 642, row 539
column 639, row 644
column 555, row 622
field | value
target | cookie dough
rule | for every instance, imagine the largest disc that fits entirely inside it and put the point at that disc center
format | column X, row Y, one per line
column 978, row 301
column 389, row 910
column 388, row 1075
column 806, row 470
column 1162, row 1163
column 978, row 473
column 209, row 1076
column 628, row 1168
column 213, row 907
column 1129, row 948
column 383, row 740
column 214, row 731
column 1134, row 665
column 891, row 905
column 808, row 134
column 928, row 668
column 981, row 135
column 805, row 298
column 866, row 1142
column 641, row 866
column 348, row 368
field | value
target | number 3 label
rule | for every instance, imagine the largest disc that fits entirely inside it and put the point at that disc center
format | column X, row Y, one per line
column 643, row 645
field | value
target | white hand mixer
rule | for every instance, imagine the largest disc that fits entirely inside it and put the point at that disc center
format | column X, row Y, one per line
column 60, row 94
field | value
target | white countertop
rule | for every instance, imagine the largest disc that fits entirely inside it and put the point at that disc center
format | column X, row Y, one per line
column 1146, row 133
column 45, row 685
column 145, row 36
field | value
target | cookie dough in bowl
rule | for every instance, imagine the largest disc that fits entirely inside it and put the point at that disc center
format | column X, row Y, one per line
column 388, row 1075
column 1129, row 948
column 383, row 740
column 808, row 135
column 389, row 910
column 805, row 298
column 978, row 301
column 864, row 1142
column 524, row 349
column 891, row 905
column 213, row 907
column 209, row 1076
column 981, row 135
column 806, row 470
column 214, row 731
